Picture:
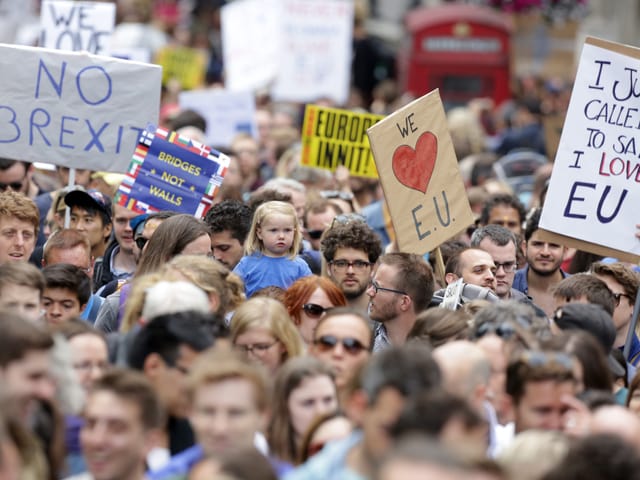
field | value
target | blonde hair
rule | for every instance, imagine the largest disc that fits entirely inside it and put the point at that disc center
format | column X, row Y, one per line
column 254, row 244
column 135, row 299
column 211, row 276
column 270, row 314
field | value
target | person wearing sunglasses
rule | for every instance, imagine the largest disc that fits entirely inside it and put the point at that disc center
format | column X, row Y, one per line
column 308, row 299
column 317, row 219
column 343, row 340
column 15, row 175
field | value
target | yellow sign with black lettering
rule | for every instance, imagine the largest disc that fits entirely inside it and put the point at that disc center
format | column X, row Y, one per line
column 332, row 137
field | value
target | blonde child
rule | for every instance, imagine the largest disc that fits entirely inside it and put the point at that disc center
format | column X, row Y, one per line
column 271, row 249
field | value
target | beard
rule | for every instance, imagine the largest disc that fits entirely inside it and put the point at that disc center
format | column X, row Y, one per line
column 544, row 273
column 354, row 293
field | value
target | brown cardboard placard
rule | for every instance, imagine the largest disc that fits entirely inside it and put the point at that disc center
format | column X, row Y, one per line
column 420, row 177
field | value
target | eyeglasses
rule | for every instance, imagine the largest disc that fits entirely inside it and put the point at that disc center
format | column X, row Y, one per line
column 508, row 267
column 343, row 265
column 351, row 345
column 315, row 234
column 15, row 186
column 503, row 330
column 377, row 288
column 141, row 242
column 329, row 194
column 347, row 218
column 538, row 359
column 616, row 297
column 315, row 310
column 258, row 348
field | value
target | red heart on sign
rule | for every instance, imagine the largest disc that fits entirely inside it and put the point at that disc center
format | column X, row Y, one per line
column 413, row 168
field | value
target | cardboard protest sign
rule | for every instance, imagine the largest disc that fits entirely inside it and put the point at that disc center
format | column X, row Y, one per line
column 227, row 113
column 332, row 137
column 594, row 194
column 77, row 26
column 317, row 44
column 74, row 109
column 186, row 65
column 251, row 43
column 420, row 176
column 172, row 172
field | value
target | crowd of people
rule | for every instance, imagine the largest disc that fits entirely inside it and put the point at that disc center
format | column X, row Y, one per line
column 285, row 335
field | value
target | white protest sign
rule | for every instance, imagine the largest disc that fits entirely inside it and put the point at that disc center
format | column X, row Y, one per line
column 75, row 109
column 251, row 46
column 77, row 26
column 594, row 191
column 315, row 61
column 227, row 113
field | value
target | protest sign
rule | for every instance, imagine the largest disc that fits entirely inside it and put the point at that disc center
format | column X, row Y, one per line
column 593, row 196
column 12, row 16
column 77, row 26
column 185, row 65
column 332, row 137
column 74, row 109
column 251, row 43
column 419, row 173
column 227, row 113
column 171, row 172
column 317, row 38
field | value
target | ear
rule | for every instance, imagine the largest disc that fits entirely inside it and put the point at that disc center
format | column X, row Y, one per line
column 153, row 439
column 259, row 232
column 153, row 366
column 82, row 307
column 107, row 229
column 523, row 245
column 450, row 278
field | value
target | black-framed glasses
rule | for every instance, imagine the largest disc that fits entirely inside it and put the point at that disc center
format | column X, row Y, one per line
column 617, row 296
column 258, row 348
column 351, row 345
column 141, row 242
column 508, row 267
column 315, row 234
column 376, row 288
column 347, row 218
column 15, row 186
column 343, row 265
column 315, row 310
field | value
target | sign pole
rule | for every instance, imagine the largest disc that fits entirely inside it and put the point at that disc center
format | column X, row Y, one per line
column 70, row 184
column 440, row 267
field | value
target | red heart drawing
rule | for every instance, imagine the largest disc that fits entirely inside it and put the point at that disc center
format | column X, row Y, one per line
column 413, row 168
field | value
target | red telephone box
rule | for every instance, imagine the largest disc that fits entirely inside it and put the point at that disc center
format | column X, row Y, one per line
column 461, row 49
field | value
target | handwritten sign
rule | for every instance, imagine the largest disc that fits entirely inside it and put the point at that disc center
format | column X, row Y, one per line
column 594, row 191
column 171, row 172
column 227, row 113
column 332, row 137
column 419, row 173
column 317, row 39
column 186, row 65
column 77, row 26
column 251, row 43
column 74, row 109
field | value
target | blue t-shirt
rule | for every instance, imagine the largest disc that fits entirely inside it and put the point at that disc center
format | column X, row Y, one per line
column 259, row 271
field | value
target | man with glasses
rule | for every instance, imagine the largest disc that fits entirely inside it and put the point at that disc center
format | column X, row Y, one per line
column 15, row 175
column 350, row 249
column 19, row 223
column 401, row 287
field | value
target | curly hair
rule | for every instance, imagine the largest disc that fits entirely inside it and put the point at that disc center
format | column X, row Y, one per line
column 502, row 199
column 14, row 204
column 356, row 235
column 231, row 215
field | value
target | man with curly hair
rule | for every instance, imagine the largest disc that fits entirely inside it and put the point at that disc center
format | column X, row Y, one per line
column 19, row 223
column 229, row 222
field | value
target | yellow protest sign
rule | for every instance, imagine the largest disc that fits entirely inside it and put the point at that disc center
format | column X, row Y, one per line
column 186, row 65
column 332, row 137
column 420, row 177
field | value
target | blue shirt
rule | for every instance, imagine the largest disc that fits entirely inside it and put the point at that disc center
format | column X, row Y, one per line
column 259, row 271
column 520, row 282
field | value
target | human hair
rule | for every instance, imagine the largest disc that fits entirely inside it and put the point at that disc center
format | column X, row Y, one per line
column 409, row 370
column 263, row 212
column 65, row 239
column 23, row 274
column 133, row 387
column 533, row 453
column 413, row 276
column 75, row 326
column 68, row 277
column 220, row 364
column 270, row 314
column 299, row 292
column 136, row 298
column 164, row 334
column 582, row 345
column 14, row 204
column 280, row 433
column 519, row 318
column 304, row 452
column 506, row 199
column 320, row 205
column 282, row 183
column 7, row 163
column 166, row 297
column 531, row 225
column 19, row 337
column 170, row 239
column 531, row 366
column 437, row 326
column 245, row 463
column 498, row 235
column 210, row 276
column 231, row 215
column 263, row 195
column 356, row 235
column 347, row 310
column 624, row 275
column 588, row 286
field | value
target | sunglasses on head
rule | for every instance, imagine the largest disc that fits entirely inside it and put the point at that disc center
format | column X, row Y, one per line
column 328, row 342
column 314, row 310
